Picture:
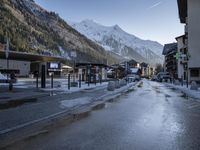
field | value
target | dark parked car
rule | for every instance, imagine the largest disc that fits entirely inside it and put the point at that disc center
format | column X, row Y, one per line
column 163, row 76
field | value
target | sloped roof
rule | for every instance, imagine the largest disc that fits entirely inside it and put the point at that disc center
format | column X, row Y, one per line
column 132, row 62
column 13, row 55
column 182, row 9
column 143, row 64
column 169, row 48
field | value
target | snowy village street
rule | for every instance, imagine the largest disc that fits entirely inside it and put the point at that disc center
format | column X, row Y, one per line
column 153, row 116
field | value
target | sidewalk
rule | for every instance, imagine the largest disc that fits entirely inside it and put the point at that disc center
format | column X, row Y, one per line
column 21, row 91
column 190, row 93
column 30, row 118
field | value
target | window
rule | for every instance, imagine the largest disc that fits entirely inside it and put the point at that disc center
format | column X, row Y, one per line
column 194, row 72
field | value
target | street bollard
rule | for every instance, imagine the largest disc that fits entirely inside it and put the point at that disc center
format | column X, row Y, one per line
column 68, row 81
column 88, row 80
column 100, row 78
column 10, row 85
column 79, row 80
column 95, row 80
column 43, row 76
column 182, row 80
column 37, row 81
column 52, row 80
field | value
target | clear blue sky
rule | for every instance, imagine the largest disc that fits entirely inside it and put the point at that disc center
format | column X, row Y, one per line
column 148, row 19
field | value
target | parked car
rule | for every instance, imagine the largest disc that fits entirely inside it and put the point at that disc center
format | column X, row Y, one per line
column 110, row 73
column 131, row 78
column 163, row 76
column 154, row 78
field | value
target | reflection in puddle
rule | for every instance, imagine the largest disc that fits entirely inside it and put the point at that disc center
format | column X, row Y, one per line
column 16, row 103
column 3, row 98
column 184, row 95
column 166, row 95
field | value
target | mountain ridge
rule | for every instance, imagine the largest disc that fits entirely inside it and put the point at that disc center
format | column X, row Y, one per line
column 115, row 39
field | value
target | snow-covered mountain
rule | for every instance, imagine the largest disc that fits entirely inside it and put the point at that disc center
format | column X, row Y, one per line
column 120, row 42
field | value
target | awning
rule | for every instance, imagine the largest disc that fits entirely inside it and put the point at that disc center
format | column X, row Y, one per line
column 32, row 57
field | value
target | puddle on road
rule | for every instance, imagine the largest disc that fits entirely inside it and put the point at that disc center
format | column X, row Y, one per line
column 185, row 96
column 3, row 98
column 167, row 96
column 148, row 90
column 171, row 88
column 140, row 85
column 157, row 91
column 52, row 93
column 16, row 103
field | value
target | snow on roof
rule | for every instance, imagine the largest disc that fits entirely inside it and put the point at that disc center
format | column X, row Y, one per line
column 169, row 48
column 134, row 70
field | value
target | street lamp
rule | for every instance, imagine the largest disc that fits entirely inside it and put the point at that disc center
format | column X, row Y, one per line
column 73, row 55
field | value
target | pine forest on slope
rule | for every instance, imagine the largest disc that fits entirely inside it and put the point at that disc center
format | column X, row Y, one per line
column 35, row 30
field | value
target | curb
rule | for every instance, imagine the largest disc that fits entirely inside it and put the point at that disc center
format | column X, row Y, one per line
column 41, row 126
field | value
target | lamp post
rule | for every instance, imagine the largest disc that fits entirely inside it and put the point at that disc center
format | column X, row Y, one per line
column 73, row 55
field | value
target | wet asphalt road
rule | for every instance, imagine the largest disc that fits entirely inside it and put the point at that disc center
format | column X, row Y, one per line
column 153, row 117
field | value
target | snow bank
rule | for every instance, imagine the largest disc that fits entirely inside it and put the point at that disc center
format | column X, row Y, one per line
column 75, row 102
column 191, row 93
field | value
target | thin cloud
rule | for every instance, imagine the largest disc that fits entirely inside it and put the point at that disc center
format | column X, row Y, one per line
column 155, row 5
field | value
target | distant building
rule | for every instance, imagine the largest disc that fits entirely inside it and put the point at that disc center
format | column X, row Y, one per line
column 24, row 64
column 189, row 11
column 145, row 70
column 182, row 57
column 133, row 64
column 170, row 51
column 94, row 71
column 136, row 71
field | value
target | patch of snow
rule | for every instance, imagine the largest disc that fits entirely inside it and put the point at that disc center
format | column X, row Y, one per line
column 2, row 77
column 64, row 53
column 191, row 93
column 75, row 102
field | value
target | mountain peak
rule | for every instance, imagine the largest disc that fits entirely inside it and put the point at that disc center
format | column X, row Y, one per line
column 117, row 28
column 114, row 38
column 88, row 20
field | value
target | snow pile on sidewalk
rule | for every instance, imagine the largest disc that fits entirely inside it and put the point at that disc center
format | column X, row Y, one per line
column 2, row 77
column 75, row 102
column 191, row 93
